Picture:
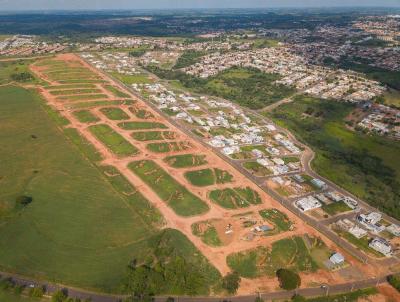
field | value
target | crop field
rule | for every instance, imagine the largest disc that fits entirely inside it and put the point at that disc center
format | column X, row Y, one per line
column 207, row 232
column 141, row 125
column 208, row 177
column 168, row 147
column 256, row 169
column 85, row 116
column 182, row 201
column 291, row 253
column 279, row 220
column 235, row 198
column 186, row 160
column 113, row 140
column 153, row 135
column 114, row 113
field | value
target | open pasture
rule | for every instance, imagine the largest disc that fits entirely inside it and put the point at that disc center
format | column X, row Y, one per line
column 208, row 177
column 180, row 199
column 233, row 198
column 113, row 140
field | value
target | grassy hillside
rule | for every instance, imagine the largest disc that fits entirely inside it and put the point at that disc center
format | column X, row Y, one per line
column 63, row 219
column 367, row 166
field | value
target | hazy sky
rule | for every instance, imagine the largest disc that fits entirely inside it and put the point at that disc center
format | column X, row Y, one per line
column 173, row 4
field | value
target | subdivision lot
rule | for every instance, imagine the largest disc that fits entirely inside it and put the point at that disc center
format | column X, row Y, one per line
column 114, row 113
column 141, row 125
column 186, row 160
column 168, row 147
column 113, row 140
column 208, row 177
column 232, row 198
column 182, row 201
column 153, row 135
column 85, row 116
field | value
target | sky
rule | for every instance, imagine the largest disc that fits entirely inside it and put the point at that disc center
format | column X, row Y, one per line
column 177, row 4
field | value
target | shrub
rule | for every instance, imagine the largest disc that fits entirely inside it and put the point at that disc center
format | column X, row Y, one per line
column 21, row 77
column 36, row 292
column 231, row 282
column 59, row 296
column 298, row 298
column 394, row 280
column 288, row 279
column 24, row 200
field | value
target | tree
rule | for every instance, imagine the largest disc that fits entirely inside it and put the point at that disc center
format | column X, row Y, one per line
column 59, row 296
column 24, row 200
column 394, row 280
column 288, row 279
column 298, row 298
column 231, row 282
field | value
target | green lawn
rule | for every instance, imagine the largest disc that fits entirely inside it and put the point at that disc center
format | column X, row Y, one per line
column 113, row 140
column 85, row 116
column 180, row 199
column 235, row 198
column 208, row 177
column 131, row 79
column 185, row 160
column 365, row 165
column 291, row 253
column 168, row 147
column 115, row 114
column 141, row 125
column 84, row 225
column 336, row 208
column 153, row 135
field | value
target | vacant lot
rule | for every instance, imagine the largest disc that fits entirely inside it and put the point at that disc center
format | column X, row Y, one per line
column 256, row 169
column 85, row 116
column 186, row 160
column 182, row 201
column 141, row 125
column 114, row 113
column 153, row 135
column 208, row 177
column 207, row 232
column 141, row 113
column 235, row 198
column 291, row 253
column 113, row 140
column 168, row 147
column 116, row 91
column 279, row 220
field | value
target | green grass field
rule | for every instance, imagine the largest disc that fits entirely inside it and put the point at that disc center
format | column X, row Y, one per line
column 141, row 113
column 185, row 160
column 10, row 69
column 74, row 91
column 113, row 140
column 8, row 296
column 115, row 114
column 235, row 198
column 116, row 91
column 153, row 135
column 336, row 208
column 92, row 104
column 207, row 232
column 279, row 220
column 141, row 125
column 168, row 147
column 84, row 224
column 208, row 177
column 291, row 253
column 131, row 79
column 85, row 116
column 180, row 199
column 70, row 86
column 256, row 169
column 82, row 97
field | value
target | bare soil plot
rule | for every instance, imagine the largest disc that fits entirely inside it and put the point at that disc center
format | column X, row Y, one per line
column 113, row 140
column 232, row 198
column 182, row 201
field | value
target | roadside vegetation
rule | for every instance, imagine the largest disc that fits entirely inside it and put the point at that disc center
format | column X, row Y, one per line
column 365, row 165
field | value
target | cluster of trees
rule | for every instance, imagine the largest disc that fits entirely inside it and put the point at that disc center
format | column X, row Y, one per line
column 362, row 164
column 188, row 58
column 288, row 279
column 21, row 77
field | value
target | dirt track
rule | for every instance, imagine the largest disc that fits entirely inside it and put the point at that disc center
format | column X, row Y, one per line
column 216, row 255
